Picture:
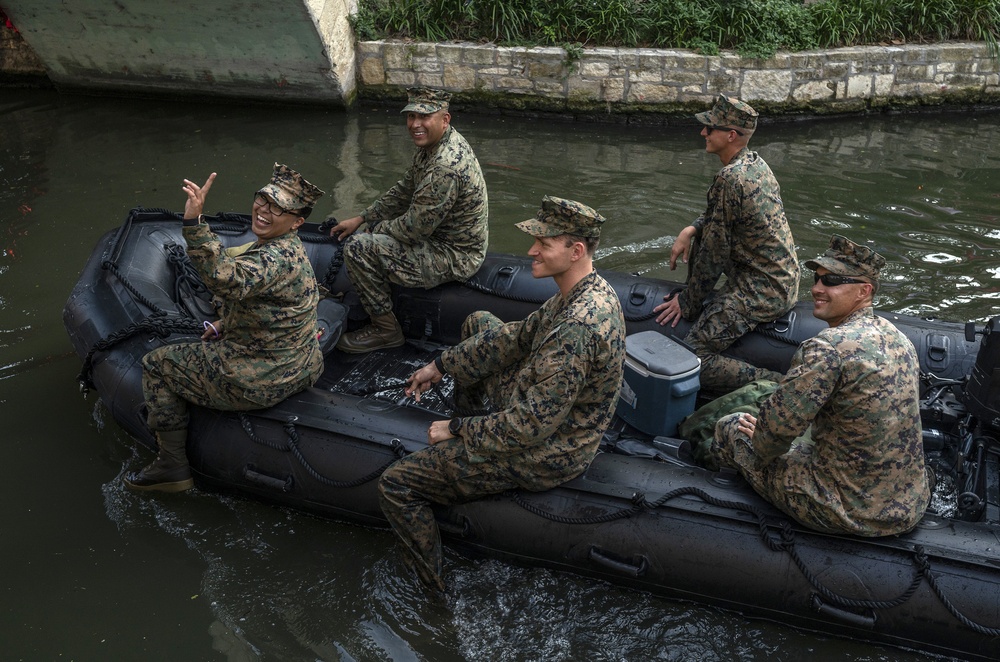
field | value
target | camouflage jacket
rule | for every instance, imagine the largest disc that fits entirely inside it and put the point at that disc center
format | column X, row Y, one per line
column 269, row 297
column 857, row 385
column 441, row 200
column 744, row 235
column 569, row 356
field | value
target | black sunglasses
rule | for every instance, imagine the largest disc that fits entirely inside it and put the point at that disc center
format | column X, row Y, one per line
column 709, row 129
column 833, row 280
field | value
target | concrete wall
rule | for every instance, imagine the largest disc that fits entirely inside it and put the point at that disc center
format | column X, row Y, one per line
column 300, row 51
column 657, row 81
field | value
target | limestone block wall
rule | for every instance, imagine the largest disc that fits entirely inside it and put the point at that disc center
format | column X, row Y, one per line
column 620, row 80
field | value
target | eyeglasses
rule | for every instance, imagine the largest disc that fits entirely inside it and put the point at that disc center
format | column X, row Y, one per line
column 833, row 280
column 709, row 129
column 273, row 207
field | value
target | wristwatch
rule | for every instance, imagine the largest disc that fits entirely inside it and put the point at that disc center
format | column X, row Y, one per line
column 454, row 426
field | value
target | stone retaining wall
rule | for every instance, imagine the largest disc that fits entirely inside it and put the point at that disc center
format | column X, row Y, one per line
column 663, row 82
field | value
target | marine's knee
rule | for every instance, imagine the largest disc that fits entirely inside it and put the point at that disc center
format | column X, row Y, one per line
column 354, row 246
column 364, row 252
column 726, row 435
column 152, row 362
column 393, row 486
column 478, row 321
column 387, row 482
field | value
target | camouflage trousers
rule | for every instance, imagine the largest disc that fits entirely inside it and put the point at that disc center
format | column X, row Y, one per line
column 443, row 473
column 175, row 375
column 439, row 474
column 778, row 481
column 722, row 322
column 376, row 261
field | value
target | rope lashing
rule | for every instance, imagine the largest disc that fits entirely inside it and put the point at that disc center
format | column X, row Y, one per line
column 785, row 542
column 158, row 323
column 292, row 446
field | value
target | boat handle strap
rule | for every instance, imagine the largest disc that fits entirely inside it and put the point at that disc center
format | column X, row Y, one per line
column 622, row 567
column 866, row 621
column 251, row 474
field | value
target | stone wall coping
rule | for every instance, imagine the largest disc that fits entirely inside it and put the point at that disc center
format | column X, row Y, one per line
column 609, row 80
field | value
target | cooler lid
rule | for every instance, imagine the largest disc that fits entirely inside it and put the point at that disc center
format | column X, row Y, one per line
column 660, row 354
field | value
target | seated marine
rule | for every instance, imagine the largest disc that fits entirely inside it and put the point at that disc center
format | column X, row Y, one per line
column 430, row 228
column 261, row 350
column 552, row 381
column 856, row 384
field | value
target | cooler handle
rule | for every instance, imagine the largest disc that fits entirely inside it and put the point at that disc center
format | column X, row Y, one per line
column 682, row 389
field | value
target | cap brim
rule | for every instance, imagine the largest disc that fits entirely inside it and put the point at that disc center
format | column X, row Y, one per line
column 422, row 108
column 831, row 265
column 283, row 198
column 536, row 228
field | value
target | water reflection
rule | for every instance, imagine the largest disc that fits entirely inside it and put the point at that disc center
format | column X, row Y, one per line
column 206, row 576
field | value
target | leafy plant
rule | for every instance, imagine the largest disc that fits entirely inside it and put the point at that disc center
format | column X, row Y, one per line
column 753, row 28
column 574, row 53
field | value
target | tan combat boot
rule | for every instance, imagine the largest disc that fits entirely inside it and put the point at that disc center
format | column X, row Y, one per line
column 383, row 332
column 169, row 472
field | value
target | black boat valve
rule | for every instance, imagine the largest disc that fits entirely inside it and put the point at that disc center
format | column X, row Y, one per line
column 971, row 331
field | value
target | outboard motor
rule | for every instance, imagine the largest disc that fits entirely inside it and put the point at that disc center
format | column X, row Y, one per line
column 980, row 498
column 982, row 392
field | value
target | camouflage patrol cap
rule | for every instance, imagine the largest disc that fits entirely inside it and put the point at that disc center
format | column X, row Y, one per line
column 558, row 216
column 425, row 100
column 290, row 190
column 730, row 114
column 845, row 258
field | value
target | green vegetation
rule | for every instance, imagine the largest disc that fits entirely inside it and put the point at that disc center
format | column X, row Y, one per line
column 752, row 28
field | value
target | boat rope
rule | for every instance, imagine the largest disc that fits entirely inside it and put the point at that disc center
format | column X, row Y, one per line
column 784, row 542
column 637, row 507
column 136, row 294
column 925, row 569
column 788, row 544
column 186, row 277
column 292, row 446
column 337, row 261
column 158, row 323
column 252, row 434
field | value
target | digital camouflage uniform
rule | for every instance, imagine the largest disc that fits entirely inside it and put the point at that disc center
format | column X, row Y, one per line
column 268, row 350
column 856, row 384
column 430, row 228
column 552, row 381
column 743, row 235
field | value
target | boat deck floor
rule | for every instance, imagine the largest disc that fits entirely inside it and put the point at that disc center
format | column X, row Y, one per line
column 382, row 375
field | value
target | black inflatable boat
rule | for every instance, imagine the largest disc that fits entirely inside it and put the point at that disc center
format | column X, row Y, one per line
column 643, row 515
